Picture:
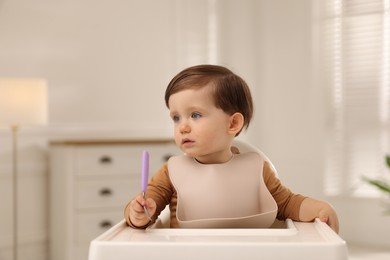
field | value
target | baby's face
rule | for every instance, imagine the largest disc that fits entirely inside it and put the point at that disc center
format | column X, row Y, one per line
column 201, row 129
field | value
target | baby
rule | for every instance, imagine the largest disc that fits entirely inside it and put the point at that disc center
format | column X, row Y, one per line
column 213, row 184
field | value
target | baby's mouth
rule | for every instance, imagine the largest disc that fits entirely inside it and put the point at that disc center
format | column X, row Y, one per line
column 186, row 141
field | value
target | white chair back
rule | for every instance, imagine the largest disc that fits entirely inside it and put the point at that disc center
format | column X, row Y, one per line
column 244, row 147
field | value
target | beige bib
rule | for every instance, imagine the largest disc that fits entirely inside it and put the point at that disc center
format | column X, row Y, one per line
column 228, row 195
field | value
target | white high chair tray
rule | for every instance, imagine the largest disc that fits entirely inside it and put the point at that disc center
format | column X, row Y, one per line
column 295, row 241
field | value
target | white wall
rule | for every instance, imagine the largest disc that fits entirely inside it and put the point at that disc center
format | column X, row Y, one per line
column 289, row 116
column 108, row 63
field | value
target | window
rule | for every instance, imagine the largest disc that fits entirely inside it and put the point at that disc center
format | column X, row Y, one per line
column 356, row 67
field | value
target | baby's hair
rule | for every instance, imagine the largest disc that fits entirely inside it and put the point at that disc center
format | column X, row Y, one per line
column 230, row 92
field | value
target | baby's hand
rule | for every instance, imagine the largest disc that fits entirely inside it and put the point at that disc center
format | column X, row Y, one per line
column 312, row 208
column 328, row 216
column 137, row 213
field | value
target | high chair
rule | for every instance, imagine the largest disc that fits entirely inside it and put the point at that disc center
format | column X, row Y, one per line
column 283, row 240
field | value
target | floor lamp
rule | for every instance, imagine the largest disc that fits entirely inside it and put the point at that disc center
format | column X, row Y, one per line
column 23, row 102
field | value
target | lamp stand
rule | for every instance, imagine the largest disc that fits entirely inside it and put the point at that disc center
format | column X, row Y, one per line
column 14, row 129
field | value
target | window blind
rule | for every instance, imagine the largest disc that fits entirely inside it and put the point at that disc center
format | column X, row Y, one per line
column 356, row 67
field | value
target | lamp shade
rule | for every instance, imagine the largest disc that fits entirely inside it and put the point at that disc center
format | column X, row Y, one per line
column 23, row 102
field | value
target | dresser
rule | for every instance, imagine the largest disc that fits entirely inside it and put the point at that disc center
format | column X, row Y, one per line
column 90, row 184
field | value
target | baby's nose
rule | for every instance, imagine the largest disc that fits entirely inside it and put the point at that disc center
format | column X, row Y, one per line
column 185, row 128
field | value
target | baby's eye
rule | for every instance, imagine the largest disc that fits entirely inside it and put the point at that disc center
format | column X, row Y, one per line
column 196, row 115
column 176, row 118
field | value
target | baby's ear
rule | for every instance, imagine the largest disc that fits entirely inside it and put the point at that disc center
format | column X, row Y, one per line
column 236, row 123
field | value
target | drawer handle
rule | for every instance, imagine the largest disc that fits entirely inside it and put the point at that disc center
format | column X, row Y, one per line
column 105, row 224
column 105, row 159
column 105, row 192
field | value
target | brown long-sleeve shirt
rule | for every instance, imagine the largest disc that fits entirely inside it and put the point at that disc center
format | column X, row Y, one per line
column 161, row 189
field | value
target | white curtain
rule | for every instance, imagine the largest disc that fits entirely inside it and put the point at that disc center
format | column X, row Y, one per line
column 355, row 46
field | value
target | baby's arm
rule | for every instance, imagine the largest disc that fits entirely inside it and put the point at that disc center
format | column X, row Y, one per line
column 135, row 214
column 159, row 194
column 312, row 208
